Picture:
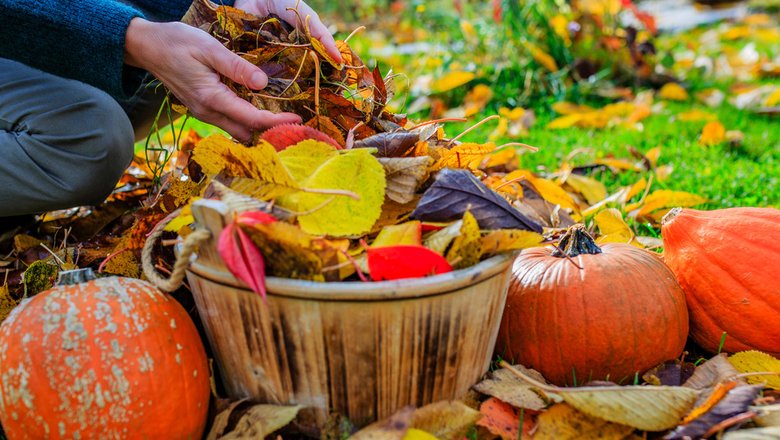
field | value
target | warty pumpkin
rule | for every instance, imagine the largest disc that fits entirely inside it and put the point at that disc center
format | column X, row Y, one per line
column 578, row 312
column 727, row 262
column 109, row 358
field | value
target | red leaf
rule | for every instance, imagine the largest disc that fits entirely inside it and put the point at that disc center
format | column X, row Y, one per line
column 251, row 218
column 405, row 261
column 282, row 136
column 242, row 257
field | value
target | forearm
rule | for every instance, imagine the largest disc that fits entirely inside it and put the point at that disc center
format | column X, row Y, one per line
column 81, row 40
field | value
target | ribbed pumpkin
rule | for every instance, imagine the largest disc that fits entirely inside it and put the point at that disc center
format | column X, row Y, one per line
column 591, row 313
column 728, row 263
column 109, row 358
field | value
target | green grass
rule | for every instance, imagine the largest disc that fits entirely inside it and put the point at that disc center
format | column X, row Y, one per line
column 748, row 175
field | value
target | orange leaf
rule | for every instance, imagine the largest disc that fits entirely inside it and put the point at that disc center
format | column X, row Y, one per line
column 712, row 134
column 503, row 420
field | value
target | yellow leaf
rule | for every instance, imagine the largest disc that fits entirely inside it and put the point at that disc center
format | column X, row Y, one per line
column 673, row 92
column 712, row 134
column 543, row 58
column 563, row 422
column 476, row 99
column 451, row 81
column 418, row 434
column 696, row 116
column 773, row 99
column 620, row 109
column 445, row 420
column 320, row 49
column 758, row 362
column 593, row 190
column 548, row 189
column 356, row 171
column 663, row 172
column 613, row 228
column 560, row 25
column 466, row 249
column 600, row 7
column 184, row 218
column 289, row 252
column 569, row 108
column 635, row 189
column 735, row 33
column 664, row 198
column 652, row 156
column 467, row 156
column 304, row 157
column 566, row 121
column 504, row 240
column 619, row 164
column 440, row 240
column 261, row 163
column 402, row 234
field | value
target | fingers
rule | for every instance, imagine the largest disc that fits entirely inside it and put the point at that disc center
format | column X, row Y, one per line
column 284, row 9
column 237, row 116
column 237, row 69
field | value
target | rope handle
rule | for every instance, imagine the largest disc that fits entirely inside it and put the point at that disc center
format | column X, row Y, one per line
column 191, row 243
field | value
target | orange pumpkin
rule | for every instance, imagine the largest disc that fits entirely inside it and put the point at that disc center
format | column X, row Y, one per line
column 591, row 313
column 727, row 262
column 109, row 358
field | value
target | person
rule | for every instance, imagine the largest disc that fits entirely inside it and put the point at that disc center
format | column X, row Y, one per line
column 75, row 95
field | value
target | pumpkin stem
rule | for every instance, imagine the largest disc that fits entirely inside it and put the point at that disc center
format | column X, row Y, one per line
column 75, row 276
column 576, row 241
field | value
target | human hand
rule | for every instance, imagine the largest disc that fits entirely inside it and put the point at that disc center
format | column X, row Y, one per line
column 189, row 62
column 286, row 9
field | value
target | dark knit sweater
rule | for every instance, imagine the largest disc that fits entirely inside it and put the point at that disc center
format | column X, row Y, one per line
column 80, row 39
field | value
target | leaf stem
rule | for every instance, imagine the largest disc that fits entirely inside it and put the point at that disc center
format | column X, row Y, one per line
column 489, row 118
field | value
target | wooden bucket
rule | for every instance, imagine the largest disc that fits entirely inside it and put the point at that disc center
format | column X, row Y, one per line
column 363, row 350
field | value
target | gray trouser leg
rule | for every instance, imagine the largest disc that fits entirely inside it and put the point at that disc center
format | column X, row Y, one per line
column 62, row 143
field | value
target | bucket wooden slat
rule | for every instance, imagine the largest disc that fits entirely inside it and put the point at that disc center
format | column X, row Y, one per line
column 364, row 356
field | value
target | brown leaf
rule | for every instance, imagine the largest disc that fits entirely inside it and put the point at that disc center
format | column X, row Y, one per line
column 710, row 373
column 254, row 421
column 404, row 176
column 326, row 125
column 505, row 385
column 394, row 144
column 447, row 420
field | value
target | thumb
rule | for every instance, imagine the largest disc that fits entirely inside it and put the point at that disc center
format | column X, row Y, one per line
column 238, row 69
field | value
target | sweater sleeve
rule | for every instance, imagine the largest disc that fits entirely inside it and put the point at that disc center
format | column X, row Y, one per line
column 82, row 40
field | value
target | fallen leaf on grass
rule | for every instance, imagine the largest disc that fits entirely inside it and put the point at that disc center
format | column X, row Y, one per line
column 548, row 189
column 673, row 92
column 664, row 199
column 253, row 421
column 446, row 420
column 758, row 362
column 696, row 116
column 503, row 384
column 612, row 228
column 503, row 420
column 712, row 134
column 456, row 191
column 451, row 80
column 404, row 176
column 563, row 422
column 593, row 190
